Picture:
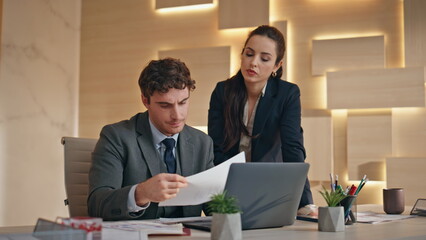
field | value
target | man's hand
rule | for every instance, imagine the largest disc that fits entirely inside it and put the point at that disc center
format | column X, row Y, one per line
column 159, row 188
column 308, row 210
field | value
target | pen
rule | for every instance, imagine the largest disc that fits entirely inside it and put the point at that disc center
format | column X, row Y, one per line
column 352, row 190
column 362, row 180
column 360, row 187
column 336, row 181
column 331, row 182
column 360, row 184
column 347, row 190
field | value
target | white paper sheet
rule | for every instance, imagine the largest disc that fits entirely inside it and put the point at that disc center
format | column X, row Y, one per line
column 114, row 234
column 373, row 218
column 203, row 185
column 145, row 226
column 138, row 230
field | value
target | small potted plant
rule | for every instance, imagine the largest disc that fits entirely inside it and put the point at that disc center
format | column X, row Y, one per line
column 332, row 218
column 226, row 223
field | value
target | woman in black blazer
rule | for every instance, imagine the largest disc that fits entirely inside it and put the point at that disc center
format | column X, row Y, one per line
column 255, row 111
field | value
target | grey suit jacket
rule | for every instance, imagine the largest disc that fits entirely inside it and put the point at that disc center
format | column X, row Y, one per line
column 125, row 156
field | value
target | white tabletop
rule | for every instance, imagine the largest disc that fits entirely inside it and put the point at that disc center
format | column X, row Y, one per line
column 407, row 229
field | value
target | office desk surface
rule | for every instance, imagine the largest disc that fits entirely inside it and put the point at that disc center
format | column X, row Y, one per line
column 408, row 229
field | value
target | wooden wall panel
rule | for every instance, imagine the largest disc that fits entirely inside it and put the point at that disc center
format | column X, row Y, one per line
column 347, row 54
column 179, row 3
column 408, row 173
column 243, row 13
column 409, row 132
column 309, row 20
column 369, row 143
column 415, row 32
column 376, row 88
column 120, row 37
column 340, row 139
column 318, row 136
column 207, row 66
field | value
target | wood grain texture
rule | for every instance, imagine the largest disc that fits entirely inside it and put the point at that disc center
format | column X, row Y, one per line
column 243, row 13
column 408, row 173
column 415, row 32
column 376, row 88
column 309, row 20
column 318, row 136
column 347, row 54
column 369, row 143
column 409, row 132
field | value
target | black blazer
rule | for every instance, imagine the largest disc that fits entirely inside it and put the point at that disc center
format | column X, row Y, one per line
column 277, row 125
column 125, row 155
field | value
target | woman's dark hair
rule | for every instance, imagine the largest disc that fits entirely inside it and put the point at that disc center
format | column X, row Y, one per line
column 161, row 75
column 276, row 36
column 235, row 90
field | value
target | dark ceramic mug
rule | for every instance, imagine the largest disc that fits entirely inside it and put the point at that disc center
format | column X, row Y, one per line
column 393, row 200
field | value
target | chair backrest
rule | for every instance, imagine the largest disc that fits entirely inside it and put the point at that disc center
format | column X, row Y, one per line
column 78, row 158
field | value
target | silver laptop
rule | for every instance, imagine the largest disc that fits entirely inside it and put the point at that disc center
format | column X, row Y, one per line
column 268, row 193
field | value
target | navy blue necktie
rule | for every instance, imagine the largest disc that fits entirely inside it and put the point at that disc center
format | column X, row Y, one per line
column 169, row 158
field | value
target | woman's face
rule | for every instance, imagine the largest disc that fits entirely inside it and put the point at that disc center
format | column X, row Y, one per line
column 258, row 59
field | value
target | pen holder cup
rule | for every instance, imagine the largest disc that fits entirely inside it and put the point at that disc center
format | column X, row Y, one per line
column 349, row 204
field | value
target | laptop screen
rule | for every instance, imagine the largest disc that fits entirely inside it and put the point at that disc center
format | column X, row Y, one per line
column 268, row 193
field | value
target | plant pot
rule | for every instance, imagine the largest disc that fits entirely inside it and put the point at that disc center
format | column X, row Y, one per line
column 226, row 227
column 331, row 219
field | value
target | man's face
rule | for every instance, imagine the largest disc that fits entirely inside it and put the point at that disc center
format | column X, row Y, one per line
column 168, row 111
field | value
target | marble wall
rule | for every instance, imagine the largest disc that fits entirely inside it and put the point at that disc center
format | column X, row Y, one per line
column 39, row 71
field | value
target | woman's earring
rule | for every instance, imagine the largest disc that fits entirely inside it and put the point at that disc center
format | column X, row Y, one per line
column 274, row 74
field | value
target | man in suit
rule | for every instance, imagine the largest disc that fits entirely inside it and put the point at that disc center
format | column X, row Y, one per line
column 140, row 162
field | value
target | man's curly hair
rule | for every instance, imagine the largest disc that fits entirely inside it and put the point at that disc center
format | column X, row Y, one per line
column 161, row 75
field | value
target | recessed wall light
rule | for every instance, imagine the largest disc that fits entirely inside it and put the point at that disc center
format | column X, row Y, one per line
column 186, row 8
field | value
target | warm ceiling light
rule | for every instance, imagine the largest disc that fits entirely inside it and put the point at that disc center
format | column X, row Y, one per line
column 186, row 8
column 370, row 111
column 339, row 112
column 348, row 35
column 408, row 111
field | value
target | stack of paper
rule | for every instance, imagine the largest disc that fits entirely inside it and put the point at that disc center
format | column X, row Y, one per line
column 147, row 226
column 372, row 217
column 139, row 230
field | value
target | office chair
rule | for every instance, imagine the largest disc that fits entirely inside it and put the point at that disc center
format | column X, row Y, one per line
column 78, row 157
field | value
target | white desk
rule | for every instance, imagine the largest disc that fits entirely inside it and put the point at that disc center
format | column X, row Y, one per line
column 413, row 228
column 408, row 229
